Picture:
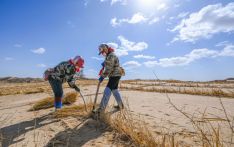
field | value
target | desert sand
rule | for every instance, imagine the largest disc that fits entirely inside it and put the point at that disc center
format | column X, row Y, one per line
column 19, row 127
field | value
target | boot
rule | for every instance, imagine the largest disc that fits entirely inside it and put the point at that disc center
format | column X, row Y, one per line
column 118, row 99
column 105, row 98
column 58, row 103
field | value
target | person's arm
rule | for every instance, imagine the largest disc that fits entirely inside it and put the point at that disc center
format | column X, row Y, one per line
column 72, row 79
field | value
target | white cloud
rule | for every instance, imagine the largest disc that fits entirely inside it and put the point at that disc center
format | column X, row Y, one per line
column 126, row 46
column 41, row 65
column 18, row 45
column 182, row 14
column 143, row 57
column 162, row 6
column 123, row 2
column 210, row 20
column 114, row 22
column 113, row 45
column 39, row 51
column 136, row 18
column 223, row 43
column 132, row 46
column 9, row 58
column 131, row 64
column 227, row 51
column 154, row 20
column 96, row 58
column 121, row 52
column 112, row 2
column 194, row 55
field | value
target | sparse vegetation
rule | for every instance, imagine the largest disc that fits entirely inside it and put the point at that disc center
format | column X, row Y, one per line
column 74, row 111
column 216, row 92
column 48, row 102
column 23, row 88
column 208, row 131
column 36, row 87
column 137, row 131
column 132, row 128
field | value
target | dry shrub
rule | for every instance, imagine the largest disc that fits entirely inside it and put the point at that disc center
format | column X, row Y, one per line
column 74, row 111
column 23, row 88
column 43, row 104
column 48, row 102
column 208, row 130
column 129, row 129
column 135, row 131
column 70, row 98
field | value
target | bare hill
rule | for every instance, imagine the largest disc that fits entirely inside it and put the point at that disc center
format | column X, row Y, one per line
column 20, row 80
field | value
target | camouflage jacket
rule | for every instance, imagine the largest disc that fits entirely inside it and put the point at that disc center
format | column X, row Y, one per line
column 64, row 72
column 111, row 66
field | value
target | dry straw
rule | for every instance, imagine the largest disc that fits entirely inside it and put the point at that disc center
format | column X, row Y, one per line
column 74, row 111
column 48, row 102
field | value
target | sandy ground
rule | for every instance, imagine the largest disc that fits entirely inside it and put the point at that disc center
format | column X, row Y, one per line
column 18, row 127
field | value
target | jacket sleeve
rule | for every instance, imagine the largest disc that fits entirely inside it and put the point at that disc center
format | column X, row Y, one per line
column 109, row 66
column 71, row 80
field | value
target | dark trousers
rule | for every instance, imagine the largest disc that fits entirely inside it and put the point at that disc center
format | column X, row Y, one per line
column 57, row 88
column 113, row 83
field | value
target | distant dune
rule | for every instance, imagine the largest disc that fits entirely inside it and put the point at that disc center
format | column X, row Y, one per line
column 230, row 79
column 20, row 80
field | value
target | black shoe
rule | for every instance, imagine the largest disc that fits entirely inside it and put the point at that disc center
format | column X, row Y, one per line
column 118, row 107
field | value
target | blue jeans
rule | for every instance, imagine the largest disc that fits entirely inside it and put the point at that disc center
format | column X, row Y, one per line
column 57, row 88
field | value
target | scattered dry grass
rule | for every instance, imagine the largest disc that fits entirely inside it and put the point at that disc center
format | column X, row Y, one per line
column 74, row 111
column 216, row 92
column 128, row 128
column 208, row 130
column 48, row 102
column 23, row 88
column 136, row 130
column 133, row 129
column 37, row 87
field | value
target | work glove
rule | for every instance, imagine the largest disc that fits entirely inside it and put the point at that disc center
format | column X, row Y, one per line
column 101, row 79
column 71, row 84
column 77, row 89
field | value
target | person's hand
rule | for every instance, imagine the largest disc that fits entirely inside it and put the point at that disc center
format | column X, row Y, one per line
column 71, row 84
column 77, row 89
column 101, row 79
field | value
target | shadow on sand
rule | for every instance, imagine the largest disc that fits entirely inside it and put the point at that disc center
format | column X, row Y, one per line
column 10, row 133
column 78, row 136
column 89, row 130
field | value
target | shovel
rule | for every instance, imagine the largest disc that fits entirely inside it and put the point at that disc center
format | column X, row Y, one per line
column 95, row 100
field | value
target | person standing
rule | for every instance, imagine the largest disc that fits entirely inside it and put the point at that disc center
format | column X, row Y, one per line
column 111, row 69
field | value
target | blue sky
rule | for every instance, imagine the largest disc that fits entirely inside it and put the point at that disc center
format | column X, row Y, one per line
column 176, row 39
